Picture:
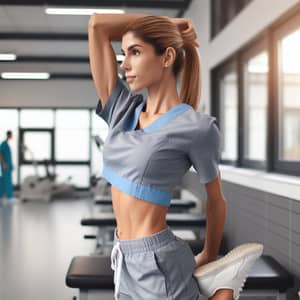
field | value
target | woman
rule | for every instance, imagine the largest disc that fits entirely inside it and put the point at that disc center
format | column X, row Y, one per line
column 150, row 146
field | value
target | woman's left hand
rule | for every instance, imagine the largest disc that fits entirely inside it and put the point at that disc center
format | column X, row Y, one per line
column 186, row 29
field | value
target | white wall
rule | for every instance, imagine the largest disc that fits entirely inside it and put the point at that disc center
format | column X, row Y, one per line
column 81, row 93
column 246, row 25
column 48, row 93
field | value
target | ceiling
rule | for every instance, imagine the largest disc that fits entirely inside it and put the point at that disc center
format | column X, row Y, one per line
column 58, row 43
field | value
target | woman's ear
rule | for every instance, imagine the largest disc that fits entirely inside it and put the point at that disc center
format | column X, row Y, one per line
column 169, row 57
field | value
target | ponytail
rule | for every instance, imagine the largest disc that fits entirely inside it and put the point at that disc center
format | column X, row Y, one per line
column 190, row 89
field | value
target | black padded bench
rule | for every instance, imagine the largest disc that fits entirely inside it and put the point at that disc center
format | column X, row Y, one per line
column 106, row 222
column 93, row 276
column 269, row 278
column 183, row 220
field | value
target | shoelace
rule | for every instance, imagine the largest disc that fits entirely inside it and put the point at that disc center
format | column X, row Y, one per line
column 116, row 265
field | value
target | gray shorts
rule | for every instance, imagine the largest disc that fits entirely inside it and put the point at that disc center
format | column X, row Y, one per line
column 159, row 266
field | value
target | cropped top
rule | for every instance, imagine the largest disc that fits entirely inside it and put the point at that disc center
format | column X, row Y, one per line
column 148, row 163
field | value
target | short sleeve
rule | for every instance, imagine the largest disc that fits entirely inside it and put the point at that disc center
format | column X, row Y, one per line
column 116, row 104
column 205, row 151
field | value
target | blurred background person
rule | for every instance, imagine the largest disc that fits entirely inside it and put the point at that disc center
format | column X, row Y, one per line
column 6, row 185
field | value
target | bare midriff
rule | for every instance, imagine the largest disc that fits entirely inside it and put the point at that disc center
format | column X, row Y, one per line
column 137, row 218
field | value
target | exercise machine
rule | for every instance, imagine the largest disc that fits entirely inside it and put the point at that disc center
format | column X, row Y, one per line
column 44, row 188
column 99, row 186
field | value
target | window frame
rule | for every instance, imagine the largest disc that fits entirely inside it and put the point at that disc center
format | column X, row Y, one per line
column 291, row 24
column 19, row 128
column 22, row 131
column 260, row 44
column 230, row 65
column 267, row 40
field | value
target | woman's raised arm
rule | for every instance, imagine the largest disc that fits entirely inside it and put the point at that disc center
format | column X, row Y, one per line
column 102, row 29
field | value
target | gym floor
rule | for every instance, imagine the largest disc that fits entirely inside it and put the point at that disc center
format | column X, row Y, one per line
column 37, row 243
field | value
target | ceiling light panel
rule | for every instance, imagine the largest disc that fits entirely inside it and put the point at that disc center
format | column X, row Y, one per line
column 81, row 11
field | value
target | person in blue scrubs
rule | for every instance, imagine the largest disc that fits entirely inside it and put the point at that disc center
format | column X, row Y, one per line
column 6, row 186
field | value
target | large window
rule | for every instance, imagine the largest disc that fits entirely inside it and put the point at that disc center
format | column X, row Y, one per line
column 35, row 142
column 229, row 120
column 289, row 97
column 72, row 135
column 254, row 98
column 37, row 118
column 61, row 140
column 36, row 145
column 72, row 146
column 226, row 94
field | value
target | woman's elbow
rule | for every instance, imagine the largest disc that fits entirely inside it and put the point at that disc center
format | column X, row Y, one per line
column 93, row 22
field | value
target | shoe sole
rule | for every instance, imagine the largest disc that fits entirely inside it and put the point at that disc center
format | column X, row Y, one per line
column 253, row 249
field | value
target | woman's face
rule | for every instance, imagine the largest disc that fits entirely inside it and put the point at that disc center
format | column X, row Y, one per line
column 141, row 62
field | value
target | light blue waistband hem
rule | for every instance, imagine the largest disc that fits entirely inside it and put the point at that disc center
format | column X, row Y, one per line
column 137, row 190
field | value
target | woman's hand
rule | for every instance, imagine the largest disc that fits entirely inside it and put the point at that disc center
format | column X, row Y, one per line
column 202, row 259
column 186, row 29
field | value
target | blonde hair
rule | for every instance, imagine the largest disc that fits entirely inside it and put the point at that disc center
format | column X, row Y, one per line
column 161, row 33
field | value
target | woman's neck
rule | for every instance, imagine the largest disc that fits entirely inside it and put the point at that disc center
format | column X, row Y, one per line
column 162, row 97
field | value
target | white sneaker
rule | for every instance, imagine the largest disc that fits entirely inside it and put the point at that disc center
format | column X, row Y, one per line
column 229, row 271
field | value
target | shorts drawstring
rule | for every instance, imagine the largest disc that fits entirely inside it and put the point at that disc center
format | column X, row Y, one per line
column 116, row 265
column 122, row 248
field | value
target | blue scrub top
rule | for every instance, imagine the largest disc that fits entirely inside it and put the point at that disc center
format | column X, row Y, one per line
column 6, row 155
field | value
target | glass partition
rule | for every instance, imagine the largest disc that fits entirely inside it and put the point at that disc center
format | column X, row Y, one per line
column 229, row 116
column 255, row 106
column 37, row 145
column 289, row 97
column 79, row 175
column 37, row 118
column 72, row 135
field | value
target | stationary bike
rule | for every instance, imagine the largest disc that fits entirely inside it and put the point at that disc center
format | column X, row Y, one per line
column 45, row 188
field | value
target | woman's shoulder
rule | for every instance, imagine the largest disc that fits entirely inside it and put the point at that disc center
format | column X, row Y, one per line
column 201, row 121
column 203, row 127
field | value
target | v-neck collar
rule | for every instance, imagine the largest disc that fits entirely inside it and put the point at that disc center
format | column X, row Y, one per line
column 161, row 121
